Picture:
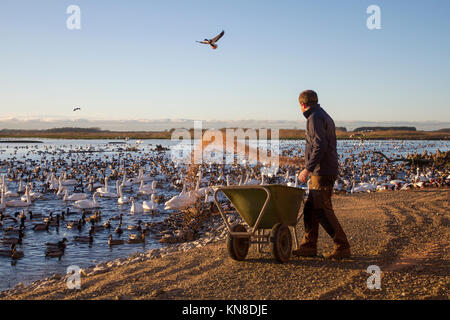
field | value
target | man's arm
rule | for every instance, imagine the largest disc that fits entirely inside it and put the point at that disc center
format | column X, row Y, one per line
column 318, row 139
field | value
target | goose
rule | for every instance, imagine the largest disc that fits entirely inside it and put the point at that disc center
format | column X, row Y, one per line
column 212, row 42
column 122, row 199
column 135, row 207
column 75, row 196
column 112, row 241
column 87, row 204
column 150, row 206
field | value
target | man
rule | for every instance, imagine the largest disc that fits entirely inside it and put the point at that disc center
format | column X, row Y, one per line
column 322, row 167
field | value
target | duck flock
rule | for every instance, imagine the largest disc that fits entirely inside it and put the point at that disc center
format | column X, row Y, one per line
column 99, row 194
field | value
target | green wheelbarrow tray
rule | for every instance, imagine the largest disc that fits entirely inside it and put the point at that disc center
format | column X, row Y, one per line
column 263, row 206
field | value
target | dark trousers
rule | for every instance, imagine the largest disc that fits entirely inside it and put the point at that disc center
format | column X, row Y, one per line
column 319, row 210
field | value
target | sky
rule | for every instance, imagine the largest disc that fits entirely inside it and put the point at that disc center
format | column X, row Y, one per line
column 139, row 60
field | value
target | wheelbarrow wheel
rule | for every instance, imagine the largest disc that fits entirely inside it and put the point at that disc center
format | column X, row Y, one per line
column 281, row 242
column 237, row 246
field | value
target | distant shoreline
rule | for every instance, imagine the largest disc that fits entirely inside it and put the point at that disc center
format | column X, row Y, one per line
column 284, row 134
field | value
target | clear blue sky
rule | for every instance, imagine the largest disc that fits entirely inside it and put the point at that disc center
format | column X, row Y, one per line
column 139, row 59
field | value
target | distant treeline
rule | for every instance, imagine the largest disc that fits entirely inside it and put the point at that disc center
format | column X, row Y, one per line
column 57, row 130
column 385, row 129
column 443, row 130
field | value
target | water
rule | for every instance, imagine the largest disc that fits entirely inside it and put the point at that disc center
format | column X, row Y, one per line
column 34, row 265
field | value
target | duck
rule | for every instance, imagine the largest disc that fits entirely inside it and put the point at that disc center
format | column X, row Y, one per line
column 8, row 252
column 107, row 224
column 54, row 253
column 17, row 254
column 119, row 229
column 137, row 227
column 112, row 241
column 89, row 238
column 212, row 42
column 87, row 204
column 136, row 238
column 60, row 245
column 13, row 240
column 42, row 226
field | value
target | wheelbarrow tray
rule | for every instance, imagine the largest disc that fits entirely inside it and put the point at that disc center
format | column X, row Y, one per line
column 283, row 204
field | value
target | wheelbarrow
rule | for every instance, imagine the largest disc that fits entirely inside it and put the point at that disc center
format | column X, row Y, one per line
column 269, row 211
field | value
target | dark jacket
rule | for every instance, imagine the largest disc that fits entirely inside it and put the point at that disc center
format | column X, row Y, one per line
column 320, row 155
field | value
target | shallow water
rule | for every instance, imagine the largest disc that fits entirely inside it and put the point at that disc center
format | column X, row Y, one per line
column 34, row 265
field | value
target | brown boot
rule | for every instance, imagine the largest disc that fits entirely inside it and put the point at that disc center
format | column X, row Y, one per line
column 305, row 251
column 338, row 253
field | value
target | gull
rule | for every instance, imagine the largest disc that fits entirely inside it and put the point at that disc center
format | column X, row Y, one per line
column 212, row 42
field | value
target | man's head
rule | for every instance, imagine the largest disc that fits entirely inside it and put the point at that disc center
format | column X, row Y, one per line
column 307, row 99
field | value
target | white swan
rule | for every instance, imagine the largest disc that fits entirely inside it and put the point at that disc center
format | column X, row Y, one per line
column 8, row 193
column 103, row 189
column 135, row 207
column 150, row 205
column 122, row 199
column 87, row 204
column 2, row 200
column 126, row 183
column 67, row 182
column 33, row 195
column 111, row 194
column 146, row 188
column 20, row 203
column 182, row 201
column 75, row 196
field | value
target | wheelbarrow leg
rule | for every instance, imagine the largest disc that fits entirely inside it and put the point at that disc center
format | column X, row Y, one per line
column 295, row 232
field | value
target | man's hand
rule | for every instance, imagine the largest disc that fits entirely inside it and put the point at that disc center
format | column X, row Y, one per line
column 304, row 175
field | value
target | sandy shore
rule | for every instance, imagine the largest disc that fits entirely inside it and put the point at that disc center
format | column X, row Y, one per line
column 405, row 233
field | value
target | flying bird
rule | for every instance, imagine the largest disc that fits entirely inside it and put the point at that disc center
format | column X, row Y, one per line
column 77, row 108
column 212, row 42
